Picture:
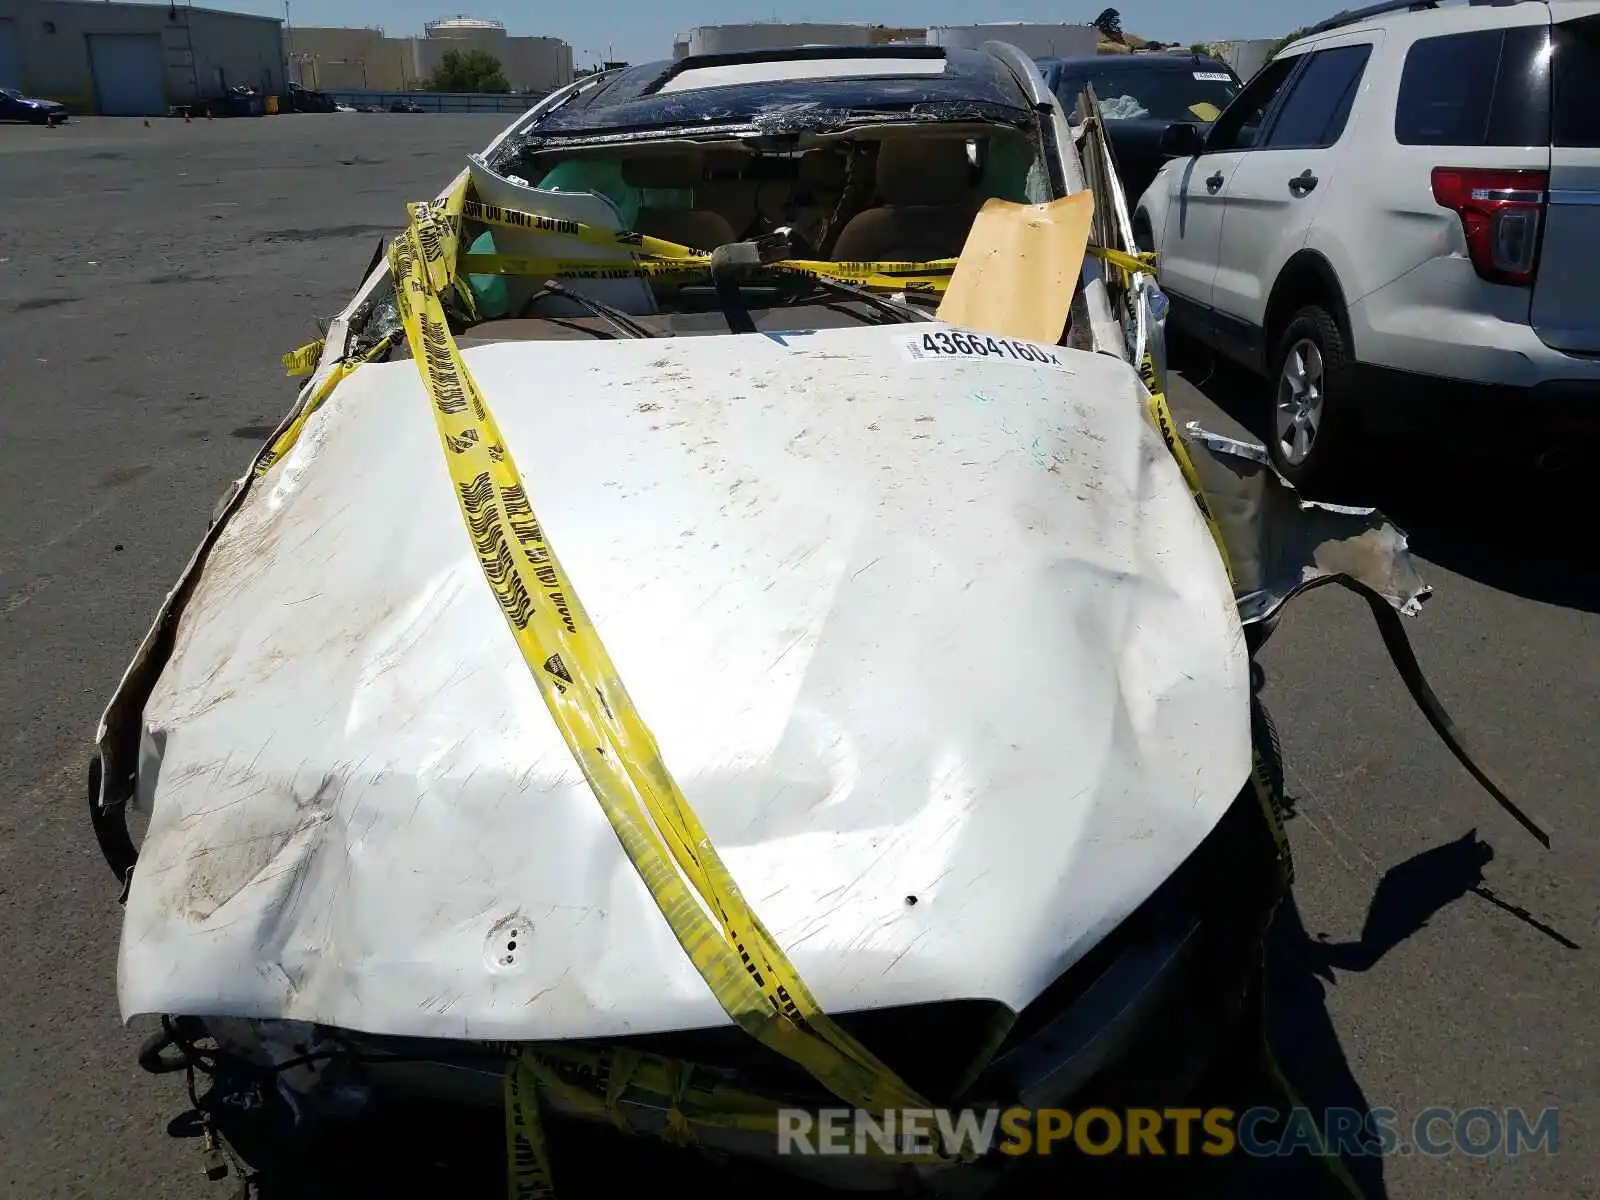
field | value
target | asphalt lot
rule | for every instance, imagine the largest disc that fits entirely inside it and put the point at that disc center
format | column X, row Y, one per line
column 151, row 276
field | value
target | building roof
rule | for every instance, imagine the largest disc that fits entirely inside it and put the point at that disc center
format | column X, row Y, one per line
column 102, row 5
column 464, row 23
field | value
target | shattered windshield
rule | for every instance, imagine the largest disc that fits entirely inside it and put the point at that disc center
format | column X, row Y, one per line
column 1159, row 95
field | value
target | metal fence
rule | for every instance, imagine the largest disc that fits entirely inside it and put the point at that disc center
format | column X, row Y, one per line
column 439, row 102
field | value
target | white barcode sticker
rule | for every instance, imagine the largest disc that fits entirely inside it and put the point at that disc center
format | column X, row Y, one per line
column 1213, row 76
column 960, row 344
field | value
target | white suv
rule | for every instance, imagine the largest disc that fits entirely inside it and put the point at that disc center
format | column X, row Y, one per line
column 1402, row 207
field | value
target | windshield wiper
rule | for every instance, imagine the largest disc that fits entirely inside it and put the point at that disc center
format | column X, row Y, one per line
column 894, row 308
column 615, row 316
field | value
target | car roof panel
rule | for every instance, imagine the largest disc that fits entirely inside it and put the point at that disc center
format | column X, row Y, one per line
column 971, row 83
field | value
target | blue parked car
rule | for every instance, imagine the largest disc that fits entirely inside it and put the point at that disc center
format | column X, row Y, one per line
column 14, row 106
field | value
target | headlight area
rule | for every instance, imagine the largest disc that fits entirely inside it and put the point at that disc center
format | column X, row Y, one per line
column 1136, row 1022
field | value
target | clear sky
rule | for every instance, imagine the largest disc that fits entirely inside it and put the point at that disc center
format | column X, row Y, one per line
column 639, row 30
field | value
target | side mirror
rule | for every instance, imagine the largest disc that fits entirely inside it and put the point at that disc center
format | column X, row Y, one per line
column 1182, row 140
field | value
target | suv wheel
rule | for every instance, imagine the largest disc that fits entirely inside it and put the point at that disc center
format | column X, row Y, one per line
column 1309, row 379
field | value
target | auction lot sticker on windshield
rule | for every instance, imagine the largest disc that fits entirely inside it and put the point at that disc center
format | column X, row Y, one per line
column 1213, row 76
column 960, row 344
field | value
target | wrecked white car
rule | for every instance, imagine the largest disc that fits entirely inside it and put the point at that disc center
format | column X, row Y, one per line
column 727, row 626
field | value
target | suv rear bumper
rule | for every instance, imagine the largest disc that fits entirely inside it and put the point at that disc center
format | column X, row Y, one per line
column 1435, row 321
column 1435, row 369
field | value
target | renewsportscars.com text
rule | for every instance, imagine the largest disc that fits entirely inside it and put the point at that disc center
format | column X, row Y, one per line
column 1155, row 1132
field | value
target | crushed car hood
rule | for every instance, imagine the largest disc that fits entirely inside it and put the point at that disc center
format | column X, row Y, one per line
column 939, row 649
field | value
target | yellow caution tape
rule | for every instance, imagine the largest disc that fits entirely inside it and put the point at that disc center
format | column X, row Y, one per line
column 1268, row 797
column 1271, row 802
column 1144, row 261
column 733, row 952
column 528, row 1158
column 1319, row 1146
column 913, row 277
column 657, row 257
column 498, row 217
column 304, row 360
column 291, row 434
column 441, row 230
column 600, row 1082
column 1161, row 417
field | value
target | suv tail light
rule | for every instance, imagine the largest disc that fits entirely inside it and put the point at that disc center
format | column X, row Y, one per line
column 1502, row 214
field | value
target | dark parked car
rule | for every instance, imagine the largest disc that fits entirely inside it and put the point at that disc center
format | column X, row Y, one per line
column 1140, row 95
column 307, row 100
column 406, row 106
column 14, row 106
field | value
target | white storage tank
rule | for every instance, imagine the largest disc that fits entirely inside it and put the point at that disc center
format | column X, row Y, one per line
column 459, row 33
column 538, row 64
column 465, row 29
column 731, row 39
column 1246, row 55
column 1036, row 41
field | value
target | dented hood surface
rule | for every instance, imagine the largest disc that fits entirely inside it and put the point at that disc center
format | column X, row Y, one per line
column 940, row 651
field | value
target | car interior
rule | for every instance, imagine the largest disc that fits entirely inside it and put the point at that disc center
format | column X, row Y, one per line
column 881, row 196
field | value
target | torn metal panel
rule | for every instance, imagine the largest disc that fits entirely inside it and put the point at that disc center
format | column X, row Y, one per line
column 1280, row 543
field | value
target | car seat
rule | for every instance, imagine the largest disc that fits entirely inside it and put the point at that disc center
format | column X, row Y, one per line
column 926, row 204
column 697, row 228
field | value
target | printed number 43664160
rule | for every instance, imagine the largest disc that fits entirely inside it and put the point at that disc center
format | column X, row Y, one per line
column 955, row 344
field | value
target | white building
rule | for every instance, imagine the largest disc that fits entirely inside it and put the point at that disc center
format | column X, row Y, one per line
column 338, row 59
column 773, row 35
column 1036, row 41
column 135, row 59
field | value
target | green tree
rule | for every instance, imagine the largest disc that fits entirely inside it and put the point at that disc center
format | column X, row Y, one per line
column 1109, row 23
column 1286, row 39
column 467, row 71
column 1199, row 48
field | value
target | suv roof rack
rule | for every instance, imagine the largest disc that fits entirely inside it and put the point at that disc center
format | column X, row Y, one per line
column 1352, row 15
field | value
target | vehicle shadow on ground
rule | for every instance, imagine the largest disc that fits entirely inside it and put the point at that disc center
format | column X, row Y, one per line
column 1491, row 519
column 1301, row 969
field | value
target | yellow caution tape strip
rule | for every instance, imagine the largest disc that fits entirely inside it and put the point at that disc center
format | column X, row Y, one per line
column 1161, row 416
column 439, row 223
column 730, row 948
column 1271, row 802
column 1319, row 1146
column 656, row 257
column 912, row 277
column 304, row 360
column 497, row 217
column 528, row 1159
column 282, row 444
column 1131, row 263
column 599, row 1082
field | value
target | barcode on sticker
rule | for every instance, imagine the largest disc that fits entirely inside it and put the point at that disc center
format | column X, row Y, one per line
column 956, row 343
column 1213, row 76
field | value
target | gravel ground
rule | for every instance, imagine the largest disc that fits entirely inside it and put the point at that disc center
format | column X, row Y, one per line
column 150, row 276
